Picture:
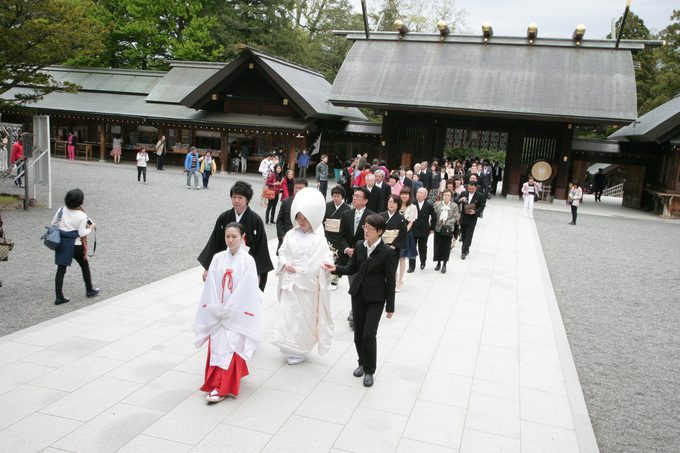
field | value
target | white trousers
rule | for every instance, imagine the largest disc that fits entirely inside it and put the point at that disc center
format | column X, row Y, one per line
column 529, row 205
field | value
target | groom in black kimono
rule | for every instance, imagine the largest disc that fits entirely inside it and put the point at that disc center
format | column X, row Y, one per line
column 256, row 238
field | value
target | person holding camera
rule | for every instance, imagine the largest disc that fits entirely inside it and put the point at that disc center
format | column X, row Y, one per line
column 74, row 226
column 142, row 159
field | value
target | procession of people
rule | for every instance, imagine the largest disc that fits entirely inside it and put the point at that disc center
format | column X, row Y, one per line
column 374, row 240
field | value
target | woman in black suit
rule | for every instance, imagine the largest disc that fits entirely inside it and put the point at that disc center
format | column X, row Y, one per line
column 372, row 290
column 395, row 223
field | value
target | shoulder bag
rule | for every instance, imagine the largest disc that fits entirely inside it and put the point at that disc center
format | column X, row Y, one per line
column 52, row 237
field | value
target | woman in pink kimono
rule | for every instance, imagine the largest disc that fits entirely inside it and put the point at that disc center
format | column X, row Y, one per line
column 228, row 316
column 304, row 317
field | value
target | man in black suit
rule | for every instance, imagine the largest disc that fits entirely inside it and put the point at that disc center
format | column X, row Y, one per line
column 472, row 203
column 283, row 222
column 256, row 237
column 375, row 201
column 372, row 289
column 422, row 227
column 384, row 187
column 351, row 228
column 334, row 210
column 496, row 176
column 486, row 179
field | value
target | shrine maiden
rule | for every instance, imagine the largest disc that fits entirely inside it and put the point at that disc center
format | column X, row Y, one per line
column 228, row 316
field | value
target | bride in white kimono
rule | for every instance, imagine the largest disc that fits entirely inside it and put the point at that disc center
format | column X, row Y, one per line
column 228, row 316
column 304, row 317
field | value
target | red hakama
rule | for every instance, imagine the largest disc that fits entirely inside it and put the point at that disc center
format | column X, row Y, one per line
column 225, row 381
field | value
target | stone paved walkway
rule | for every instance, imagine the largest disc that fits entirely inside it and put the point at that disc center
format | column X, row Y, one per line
column 474, row 360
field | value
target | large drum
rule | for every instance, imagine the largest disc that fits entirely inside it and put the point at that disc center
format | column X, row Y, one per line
column 541, row 171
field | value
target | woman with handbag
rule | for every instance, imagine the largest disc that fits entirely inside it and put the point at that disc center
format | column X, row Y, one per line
column 73, row 225
column 208, row 167
column 447, row 213
column 274, row 181
column 530, row 192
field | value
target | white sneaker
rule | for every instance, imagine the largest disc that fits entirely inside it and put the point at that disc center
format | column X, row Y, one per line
column 294, row 360
column 188, row 187
column 214, row 397
column 334, row 287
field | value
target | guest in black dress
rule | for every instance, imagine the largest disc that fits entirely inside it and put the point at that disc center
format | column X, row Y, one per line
column 396, row 227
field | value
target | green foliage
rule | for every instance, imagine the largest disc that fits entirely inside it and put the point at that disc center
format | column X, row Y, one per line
column 667, row 81
column 142, row 34
column 658, row 79
column 483, row 154
column 39, row 33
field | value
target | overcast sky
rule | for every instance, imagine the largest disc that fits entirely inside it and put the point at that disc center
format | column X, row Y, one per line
column 556, row 18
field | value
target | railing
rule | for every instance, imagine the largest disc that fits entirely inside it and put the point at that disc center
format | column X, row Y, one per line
column 614, row 191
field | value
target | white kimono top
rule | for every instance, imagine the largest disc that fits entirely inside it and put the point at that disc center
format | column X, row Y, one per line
column 229, row 310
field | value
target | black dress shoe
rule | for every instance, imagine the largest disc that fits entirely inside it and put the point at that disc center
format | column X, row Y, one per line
column 410, row 270
column 422, row 266
column 93, row 293
column 444, row 268
column 359, row 371
column 368, row 380
column 572, row 223
column 462, row 256
column 438, row 266
column 61, row 300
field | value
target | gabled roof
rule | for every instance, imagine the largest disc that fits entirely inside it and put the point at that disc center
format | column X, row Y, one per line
column 183, row 78
column 307, row 88
column 109, row 105
column 548, row 79
column 659, row 125
column 128, row 81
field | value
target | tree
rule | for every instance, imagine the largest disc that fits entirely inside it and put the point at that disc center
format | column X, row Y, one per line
column 317, row 19
column 263, row 24
column 143, row 34
column 421, row 15
column 635, row 28
column 35, row 34
column 667, row 82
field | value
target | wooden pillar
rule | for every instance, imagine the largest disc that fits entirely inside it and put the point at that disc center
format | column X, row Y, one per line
column 224, row 152
column 290, row 154
column 633, row 185
column 429, row 143
column 562, row 177
column 102, row 142
column 513, row 162
column 389, row 149
column 673, row 175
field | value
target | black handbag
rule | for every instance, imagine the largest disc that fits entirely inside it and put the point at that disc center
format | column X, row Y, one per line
column 447, row 230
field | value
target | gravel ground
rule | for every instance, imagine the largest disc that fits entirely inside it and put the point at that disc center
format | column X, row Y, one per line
column 617, row 283
column 144, row 233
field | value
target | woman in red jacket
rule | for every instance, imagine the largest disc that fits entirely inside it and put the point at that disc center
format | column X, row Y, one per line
column 274, row 181
column 288, row 185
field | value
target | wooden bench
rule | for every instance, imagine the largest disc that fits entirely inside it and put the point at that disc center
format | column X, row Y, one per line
column 60, row 149
column 667, row 200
